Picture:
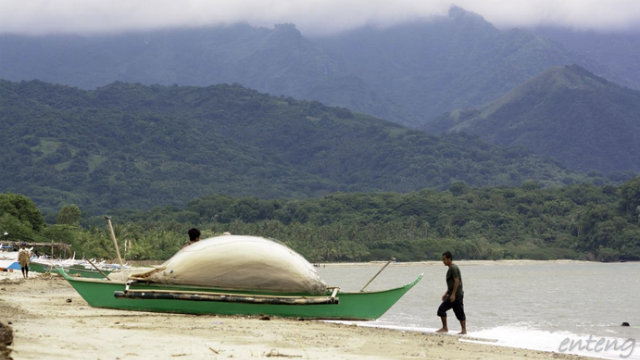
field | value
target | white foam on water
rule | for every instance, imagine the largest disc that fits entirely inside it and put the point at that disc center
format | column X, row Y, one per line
column 603, row 347
column 562, row 342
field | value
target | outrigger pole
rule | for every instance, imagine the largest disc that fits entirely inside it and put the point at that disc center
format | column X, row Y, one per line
column 115, row 242
column 97, row 268
column 378, row 273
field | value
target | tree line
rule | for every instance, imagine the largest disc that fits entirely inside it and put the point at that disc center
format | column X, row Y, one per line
column 527, row 222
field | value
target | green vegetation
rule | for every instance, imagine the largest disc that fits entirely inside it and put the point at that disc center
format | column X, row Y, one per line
column 20, row 218
column 576, row 222
column 127, row 146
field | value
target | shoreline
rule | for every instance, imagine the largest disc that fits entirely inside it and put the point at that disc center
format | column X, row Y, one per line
column 151, row 263
column 469, row 262
column 50, row 320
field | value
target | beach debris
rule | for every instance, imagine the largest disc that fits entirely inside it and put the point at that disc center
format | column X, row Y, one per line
column 68, row 300
column 6, row 339
column 6, row 334
column 11, row 281
column 276, row 353
column 625, row 324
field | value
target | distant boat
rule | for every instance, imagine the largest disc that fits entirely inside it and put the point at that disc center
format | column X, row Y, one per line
column 73, row 267
column 7, row 264
column 74, row 270
column 9, row 260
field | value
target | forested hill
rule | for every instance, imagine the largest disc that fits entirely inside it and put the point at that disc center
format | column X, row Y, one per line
column 135, row 146
column 582, row 120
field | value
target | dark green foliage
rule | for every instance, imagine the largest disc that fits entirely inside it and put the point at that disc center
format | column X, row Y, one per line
column 23, row 209
column 19, row 218
column 528, row 222
column 575, row 222
column 630, row 199
column 69, row 215
column 133, row 146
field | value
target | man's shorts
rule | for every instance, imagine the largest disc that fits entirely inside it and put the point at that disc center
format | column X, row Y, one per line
column 457, row 306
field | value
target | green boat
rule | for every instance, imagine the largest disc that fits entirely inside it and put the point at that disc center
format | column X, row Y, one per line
column 72, row 270
column 41, row 268
column 146, row 296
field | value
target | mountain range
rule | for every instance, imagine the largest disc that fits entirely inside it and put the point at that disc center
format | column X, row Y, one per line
column 160, row 117
column 408, row 73
column 135, row 146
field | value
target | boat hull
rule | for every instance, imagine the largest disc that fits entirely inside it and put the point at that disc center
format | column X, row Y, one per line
column 349, row 306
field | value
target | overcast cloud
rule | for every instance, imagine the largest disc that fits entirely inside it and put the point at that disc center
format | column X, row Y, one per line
column 310, row 16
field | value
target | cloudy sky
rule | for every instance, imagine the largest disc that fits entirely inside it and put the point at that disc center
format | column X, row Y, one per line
column 310, row 16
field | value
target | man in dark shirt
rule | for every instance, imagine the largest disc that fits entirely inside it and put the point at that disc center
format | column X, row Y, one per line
column 452, row 299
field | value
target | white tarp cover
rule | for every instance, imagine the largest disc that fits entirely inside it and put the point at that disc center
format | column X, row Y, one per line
column 240, row 262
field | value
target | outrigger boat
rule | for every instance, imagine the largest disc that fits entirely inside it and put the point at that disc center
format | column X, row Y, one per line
column 236, row 275
column 146, row 296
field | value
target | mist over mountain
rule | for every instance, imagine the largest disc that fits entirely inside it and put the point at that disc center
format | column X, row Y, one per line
column 407, row 73
column 446, row 63
column 612, row 55
column 568, row 113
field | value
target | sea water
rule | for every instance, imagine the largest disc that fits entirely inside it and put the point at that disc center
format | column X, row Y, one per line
column 561, row 306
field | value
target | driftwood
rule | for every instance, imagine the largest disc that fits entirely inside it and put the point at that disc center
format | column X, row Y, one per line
column 276, row 353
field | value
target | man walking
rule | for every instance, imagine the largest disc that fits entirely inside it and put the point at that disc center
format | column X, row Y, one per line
column 452, row 299
column 24, row 257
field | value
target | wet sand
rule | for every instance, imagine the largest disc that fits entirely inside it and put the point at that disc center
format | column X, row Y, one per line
column 51, row 321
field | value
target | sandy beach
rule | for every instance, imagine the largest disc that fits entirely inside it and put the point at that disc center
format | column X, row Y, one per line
column 49, row 320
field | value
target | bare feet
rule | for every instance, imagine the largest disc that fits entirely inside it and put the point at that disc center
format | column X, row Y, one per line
column 463, row 332
column 443, row 330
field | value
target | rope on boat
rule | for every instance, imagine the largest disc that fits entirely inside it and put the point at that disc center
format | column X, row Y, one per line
column 219, row 297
